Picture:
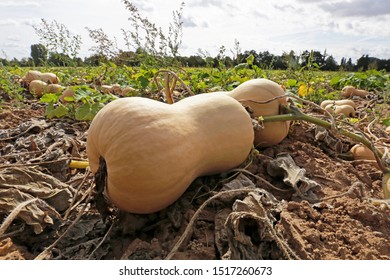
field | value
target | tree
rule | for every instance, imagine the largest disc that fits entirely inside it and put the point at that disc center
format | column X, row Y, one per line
column 330, row 64
column 60, row 59
column 39, row 54
column 362, row 63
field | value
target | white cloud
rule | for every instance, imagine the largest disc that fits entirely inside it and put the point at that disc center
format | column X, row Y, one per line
column 19, row 4
column 189, row 21
column 8, row 22
column 14, row 38
column 365, row 8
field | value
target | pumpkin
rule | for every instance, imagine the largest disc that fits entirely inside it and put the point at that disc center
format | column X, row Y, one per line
column 345, row 110
column 338, row 102
column 262, row 90
column 153, row 150
column 349, row 91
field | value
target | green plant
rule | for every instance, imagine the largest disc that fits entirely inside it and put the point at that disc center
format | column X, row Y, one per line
column 83, row 106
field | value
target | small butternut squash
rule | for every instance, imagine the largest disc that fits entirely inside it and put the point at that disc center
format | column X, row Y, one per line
column 263, row 90
column 349, row 91
column 68, row 92
column 362, row 152
column 38, row 88
column 338, row 102
column 153, row 150
column 346, row 110
column 32, row 75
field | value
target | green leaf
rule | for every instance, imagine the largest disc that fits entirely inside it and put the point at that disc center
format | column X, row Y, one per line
column 144, row 81
column 49, row 98
column 241, row 66
column 291, row 83
column 56, row 112
column 250, row 59
column 386, row 122
column 84, row 112
column 334, row 81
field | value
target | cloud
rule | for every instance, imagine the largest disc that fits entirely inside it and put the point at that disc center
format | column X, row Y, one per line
column 206, row 3
column 12, row 45
column 142, row 6
column 224, row 5
column 19, row 4
column 189, row 22
column 31, row 21
column 13, row 38
column 365, row 8
column 258, row 14
column 284, row 7
column 8, row 22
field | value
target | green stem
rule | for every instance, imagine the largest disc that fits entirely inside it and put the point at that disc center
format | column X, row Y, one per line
column 296, row 115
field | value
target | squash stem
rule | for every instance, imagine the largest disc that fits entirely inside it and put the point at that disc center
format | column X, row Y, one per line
column 78, row 164
column 294, row 114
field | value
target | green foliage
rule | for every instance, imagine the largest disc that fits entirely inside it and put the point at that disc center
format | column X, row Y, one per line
column 10, row 88
column 83, row 106
column 39, row 54
column 309, row 82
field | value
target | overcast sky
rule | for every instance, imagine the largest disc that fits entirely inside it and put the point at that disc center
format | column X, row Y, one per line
column 344, row 28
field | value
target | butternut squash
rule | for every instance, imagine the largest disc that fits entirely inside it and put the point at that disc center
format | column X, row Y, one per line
column 349, row 91
column 349, row 102
column 153, row 150
column 68, row 92
column 262, row 90
column 346, row 110
column 361, row 152
column 38, row 88
column 32, row 75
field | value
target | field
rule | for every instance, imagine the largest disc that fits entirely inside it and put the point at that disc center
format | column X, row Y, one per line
column 321, row 204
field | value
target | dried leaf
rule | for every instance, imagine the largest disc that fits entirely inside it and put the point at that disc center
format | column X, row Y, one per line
column 35, row 214
column 37, row 184
column 18, row 185
column 250, row 229
column 294, row 176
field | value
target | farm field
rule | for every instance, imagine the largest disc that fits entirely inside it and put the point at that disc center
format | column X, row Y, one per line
column 321, row 203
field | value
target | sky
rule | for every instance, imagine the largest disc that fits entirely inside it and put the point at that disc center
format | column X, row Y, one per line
column 342, row 28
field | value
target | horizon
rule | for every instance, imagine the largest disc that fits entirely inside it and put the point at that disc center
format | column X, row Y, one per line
column 342, row 29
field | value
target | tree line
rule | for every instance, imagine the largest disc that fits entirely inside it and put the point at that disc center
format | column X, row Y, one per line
column 40, row 56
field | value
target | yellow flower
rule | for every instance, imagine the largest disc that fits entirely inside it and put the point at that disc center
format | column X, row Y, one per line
column 303, row 90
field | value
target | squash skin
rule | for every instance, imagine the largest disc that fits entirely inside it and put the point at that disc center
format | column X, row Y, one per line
column 346, row 110
column 153, row 151
column 349, row 102
column 262, row 90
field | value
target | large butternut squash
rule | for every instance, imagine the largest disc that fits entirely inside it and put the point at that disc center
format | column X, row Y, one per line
column 153, row 151
column 263, row 90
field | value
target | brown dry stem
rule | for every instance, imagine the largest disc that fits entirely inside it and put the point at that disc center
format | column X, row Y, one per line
column 12, row 216
column 168, row 75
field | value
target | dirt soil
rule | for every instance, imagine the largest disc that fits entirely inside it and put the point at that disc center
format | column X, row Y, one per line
column 296, row 200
